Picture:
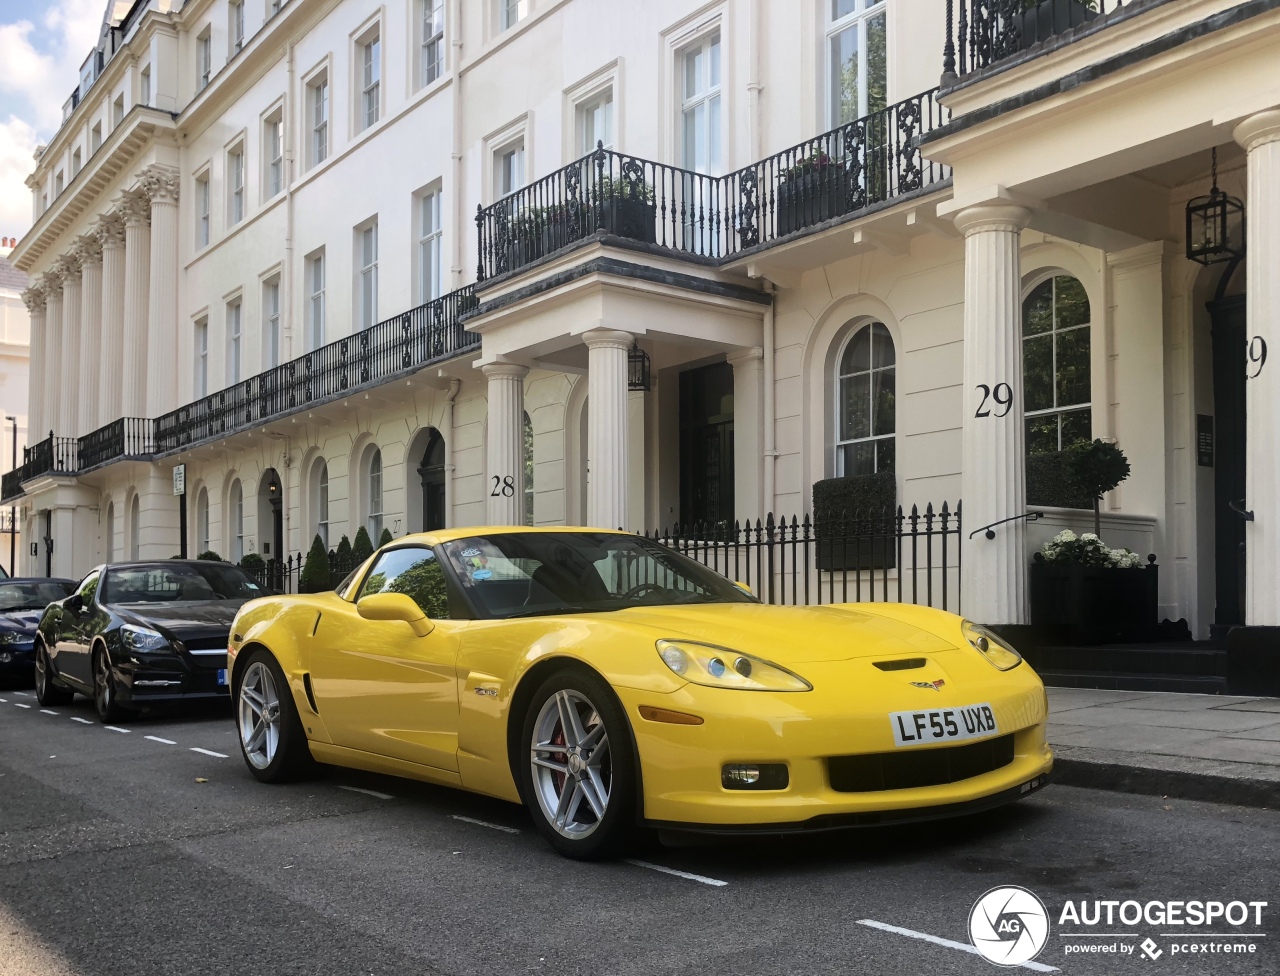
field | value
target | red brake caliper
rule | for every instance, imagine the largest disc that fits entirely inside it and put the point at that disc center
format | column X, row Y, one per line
column 562, row 757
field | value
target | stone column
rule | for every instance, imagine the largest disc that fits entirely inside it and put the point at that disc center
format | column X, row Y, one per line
column 504, row 444
column 89, row 250
column 36, row 298
column 137, row 267
column 748, row 432
column 1260, row 136
column 607, row 427
column 110, row 232
column 993, row 473
column 53, row 367
column 69, row 392
column 161, row 185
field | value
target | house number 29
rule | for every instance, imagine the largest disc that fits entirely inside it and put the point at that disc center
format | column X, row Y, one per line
column 1001, row 395
column 503, row 487
column 1257, row 353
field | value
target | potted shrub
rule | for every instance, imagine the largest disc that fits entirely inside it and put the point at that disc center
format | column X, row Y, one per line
column 1045, row 18
column 854, row 522
column 624, row 208
column 1084, row 592
column 814, row 189
column 314, row 577
column 1096, row 468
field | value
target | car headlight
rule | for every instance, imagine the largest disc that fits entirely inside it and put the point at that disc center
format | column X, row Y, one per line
column 8, row 637
column 720, row 667
column 991, row 646
column 142, row 639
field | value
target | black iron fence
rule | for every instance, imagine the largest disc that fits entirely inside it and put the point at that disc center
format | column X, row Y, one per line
column 53, row 455
column 128, row 437
column 988, row 31
column 407, row 342
column 285, row 575
column 715, row 218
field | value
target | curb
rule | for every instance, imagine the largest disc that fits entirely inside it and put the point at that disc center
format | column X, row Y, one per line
column 1238, row 784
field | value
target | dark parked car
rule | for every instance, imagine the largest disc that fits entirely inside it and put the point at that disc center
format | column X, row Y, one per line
column 22, row 601
column 133, row 634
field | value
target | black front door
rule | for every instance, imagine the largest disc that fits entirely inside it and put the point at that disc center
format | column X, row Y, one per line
column 1228, row 318
column 706, row 446
column 431, row 471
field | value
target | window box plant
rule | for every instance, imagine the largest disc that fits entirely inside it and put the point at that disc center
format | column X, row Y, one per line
column 1043, row 20
column 854, row 522
column 814, row 189
column 1083, row 592
column 624, row 208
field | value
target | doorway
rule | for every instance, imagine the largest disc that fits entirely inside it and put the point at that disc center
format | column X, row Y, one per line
column 706, row 445
column 1227, row 318
column 431, row 477
column 271, row 513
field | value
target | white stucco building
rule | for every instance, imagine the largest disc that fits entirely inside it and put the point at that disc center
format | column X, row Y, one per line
column 15, row 353
column 347, row 262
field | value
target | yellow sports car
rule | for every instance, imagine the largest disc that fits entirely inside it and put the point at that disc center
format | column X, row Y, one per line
column 609, row 683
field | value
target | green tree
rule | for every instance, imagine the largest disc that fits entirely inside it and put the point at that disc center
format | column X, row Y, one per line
column 344, row 559
column 362, row 547
column 210, row 556
column 314, row 577
column 384, row 538
column 424, row 582
column 1096, row 467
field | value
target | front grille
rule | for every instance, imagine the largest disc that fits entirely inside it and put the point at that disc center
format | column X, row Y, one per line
column 208, row 652
column 904, row 769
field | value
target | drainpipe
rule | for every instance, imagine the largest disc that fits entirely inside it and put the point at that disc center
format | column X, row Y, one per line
column 770, row 445
column 753, row 83
column 286, row 274
column 454, row 26
column 455, row 385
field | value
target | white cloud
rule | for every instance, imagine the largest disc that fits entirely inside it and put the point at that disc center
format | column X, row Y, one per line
column 17, row 144
column 42, row 60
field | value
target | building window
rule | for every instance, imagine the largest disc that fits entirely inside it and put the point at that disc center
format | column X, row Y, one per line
column 135, row 530
column 95, row 138
column 58, row 183
column 429, row 247
column 595, row 123
column 855, row 60
column 315, row 303
column 201, row 385
column 204, row 60
column 700, row 105
column 432, row 40
column 235, row 30
column 271, row 322
column 865, row 407
column 273, row 154
column 144, row 86
column 273, row 8
column 509, row 165
column 511, row 12
column 75, row 163
column 202, row 522
column 234, row 344
column 318, row 95
column 321, row 500
column 1055, row 365
column 117, row 111
column 368, row 273
column 202, row 210
column 235, row 184
column 370, row 81
column 375, row 496
column 235, row 519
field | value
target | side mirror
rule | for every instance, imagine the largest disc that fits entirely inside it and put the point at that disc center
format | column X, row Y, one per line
column 395, row 606
column 744, row 588
column 74, row 603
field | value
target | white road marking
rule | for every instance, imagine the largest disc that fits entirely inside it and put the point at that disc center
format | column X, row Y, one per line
column 156, row 738
column 357, row 789
column 679, row 874
column 46, row 711
column 484, row 823
column 208, row 752
column 20, row 705
column 5, row 700
column 82, row 721
column 24, row 694
column 116, row 728
column 1039, row 967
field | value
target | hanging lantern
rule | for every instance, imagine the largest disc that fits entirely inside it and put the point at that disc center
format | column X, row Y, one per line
column 638, row 369
column 1210, row 236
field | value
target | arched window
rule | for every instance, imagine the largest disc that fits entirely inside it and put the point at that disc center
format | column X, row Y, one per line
column 375, row 496
column 1055, row 365
column 235, row 519
column 528, row 470
column 135, row 510
column 110, row 547
column 865, row 403
column 202, row 521
column 320, row 498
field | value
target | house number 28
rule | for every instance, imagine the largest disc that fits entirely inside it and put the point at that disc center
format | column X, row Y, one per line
column 503, row 487
column 1001, row 395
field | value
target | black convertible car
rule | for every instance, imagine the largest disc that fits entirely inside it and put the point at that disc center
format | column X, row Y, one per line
column 22, row 601
column 133, row 634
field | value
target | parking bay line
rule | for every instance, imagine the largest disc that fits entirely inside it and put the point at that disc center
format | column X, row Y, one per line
column 21, row 705
column 116, row 728
column 358, row 789
column 156, row 738
column 82, row 721
column 209, row 752
column 47, row 711
column 948, row 943
column 484, row 823
column 701, row 879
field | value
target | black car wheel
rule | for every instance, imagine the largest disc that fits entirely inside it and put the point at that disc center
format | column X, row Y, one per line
column 272, row 739
column 104, row 688
column 48, row 690
column 576, row 766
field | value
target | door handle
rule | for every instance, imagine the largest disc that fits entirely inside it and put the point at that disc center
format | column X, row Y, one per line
column 1239, row 509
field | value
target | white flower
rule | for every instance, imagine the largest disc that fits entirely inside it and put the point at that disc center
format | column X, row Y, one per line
column 1066, row 535
column 1089, row 537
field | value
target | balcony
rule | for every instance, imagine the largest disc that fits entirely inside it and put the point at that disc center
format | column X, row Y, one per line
column 852, row 170
column 123, row 439
column 53, row 455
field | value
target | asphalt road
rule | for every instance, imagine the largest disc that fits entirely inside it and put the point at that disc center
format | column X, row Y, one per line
column 133, row 852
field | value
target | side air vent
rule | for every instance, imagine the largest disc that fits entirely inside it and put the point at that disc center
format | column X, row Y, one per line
column 902, row 664
column 311, row 695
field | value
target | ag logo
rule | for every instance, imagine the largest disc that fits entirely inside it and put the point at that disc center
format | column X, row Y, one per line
column 1008, row 926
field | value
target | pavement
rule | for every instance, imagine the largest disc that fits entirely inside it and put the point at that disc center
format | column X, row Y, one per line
column 1194, row 747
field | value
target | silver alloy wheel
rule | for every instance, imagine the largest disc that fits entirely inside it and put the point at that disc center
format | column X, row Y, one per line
column 259, row 715
column 572, row 767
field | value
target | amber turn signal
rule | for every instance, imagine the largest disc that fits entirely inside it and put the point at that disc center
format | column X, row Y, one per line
column 668, row 716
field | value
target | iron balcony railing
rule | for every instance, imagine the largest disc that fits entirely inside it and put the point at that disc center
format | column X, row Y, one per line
column 53, row 455
column 11, row 484
column 403, row 344
column 986, row 32
column 851, row 169
column 128, row 437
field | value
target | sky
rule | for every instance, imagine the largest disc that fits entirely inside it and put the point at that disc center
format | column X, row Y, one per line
column 42, row 45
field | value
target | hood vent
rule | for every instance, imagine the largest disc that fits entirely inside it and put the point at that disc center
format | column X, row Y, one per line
column 902, row 664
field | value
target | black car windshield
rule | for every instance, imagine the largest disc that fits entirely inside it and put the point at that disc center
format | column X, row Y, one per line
column 32, row 596
column 527, row 574
column 176, row 583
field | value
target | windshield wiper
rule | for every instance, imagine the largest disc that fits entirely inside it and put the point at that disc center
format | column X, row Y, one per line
column 556, row 611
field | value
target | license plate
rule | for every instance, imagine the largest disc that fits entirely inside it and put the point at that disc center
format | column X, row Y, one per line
column 222, row 677
column 943, row 725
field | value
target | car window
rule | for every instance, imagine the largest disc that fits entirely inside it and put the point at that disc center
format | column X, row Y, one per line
column 413, row 571
column 177, row 582
column 89, row 588
column 31, row 596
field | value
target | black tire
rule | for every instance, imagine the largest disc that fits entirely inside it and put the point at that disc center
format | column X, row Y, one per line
column 49, row 690
column 104, row 689
column 584, row 835
column 291, row 758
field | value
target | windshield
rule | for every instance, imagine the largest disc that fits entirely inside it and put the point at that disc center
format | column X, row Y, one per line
column 177, row 582
column 537, row 573
column 32, row 596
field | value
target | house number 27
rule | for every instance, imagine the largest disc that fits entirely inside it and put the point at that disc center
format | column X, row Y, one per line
column 1001, row 395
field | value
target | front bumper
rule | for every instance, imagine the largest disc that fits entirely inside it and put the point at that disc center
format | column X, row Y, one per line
column 17, row 658
column 139, row 684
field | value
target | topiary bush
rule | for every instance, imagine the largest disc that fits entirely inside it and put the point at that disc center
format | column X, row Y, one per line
column 1097, row 468
column 385, row 538
column 253, row 562
column 314, row 577
column 362, row 547
column 1050, row 482
column 343, row 558
column 210, row 556
column 853, row 521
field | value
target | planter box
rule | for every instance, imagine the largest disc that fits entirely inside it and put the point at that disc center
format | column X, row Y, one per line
column 812, row 198
column 837, row 554
column 629, row 217
column 1074, row 604
column 1052, row 17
